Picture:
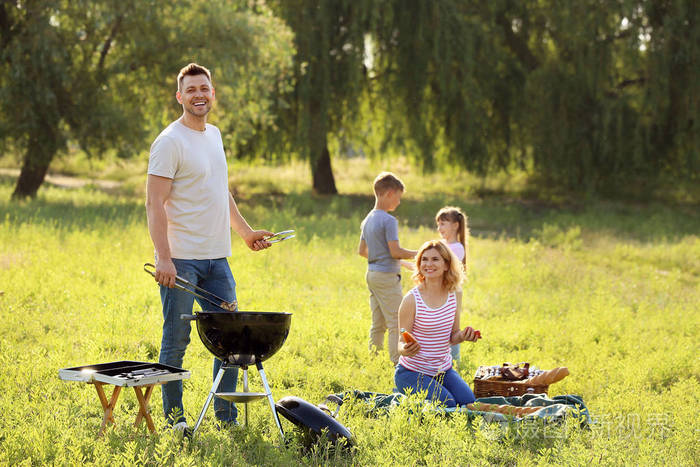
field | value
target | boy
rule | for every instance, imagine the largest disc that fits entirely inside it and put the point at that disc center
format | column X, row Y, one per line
column 379, row 243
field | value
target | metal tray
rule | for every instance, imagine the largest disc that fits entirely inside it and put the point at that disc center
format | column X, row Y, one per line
column 241, row 396
column 124, row 373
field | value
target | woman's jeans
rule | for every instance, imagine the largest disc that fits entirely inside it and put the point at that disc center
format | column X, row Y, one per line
column 214, row 276
column 448, row 387
column 454, row 351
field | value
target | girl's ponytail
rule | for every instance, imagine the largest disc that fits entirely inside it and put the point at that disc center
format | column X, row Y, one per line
column 463, row 235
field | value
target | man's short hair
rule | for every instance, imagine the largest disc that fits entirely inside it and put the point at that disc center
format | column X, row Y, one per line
column 192, row 69
column 386, row 181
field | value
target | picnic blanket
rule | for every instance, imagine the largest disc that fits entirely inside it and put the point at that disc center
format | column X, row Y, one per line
column 554, row 409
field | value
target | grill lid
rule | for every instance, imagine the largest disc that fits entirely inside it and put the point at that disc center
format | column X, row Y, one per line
column 313, row 420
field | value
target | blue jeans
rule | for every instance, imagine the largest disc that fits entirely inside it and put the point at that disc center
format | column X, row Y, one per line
column 454, row 351
column 448, row 387
column 215, row 276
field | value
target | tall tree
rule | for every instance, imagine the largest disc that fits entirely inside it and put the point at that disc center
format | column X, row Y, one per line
column 329, row 77
column 98, row 72
column 670, row 30
column 437, row 78
column 610, row 93
column 587, row 94
column 420, row 73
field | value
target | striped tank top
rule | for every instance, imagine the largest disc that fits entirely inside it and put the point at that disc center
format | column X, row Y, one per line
column 432, row 328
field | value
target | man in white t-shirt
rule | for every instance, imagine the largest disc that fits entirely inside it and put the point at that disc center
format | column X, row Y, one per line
column 190, row 215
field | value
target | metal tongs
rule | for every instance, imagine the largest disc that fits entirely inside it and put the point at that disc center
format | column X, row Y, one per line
column 209, row 297
column 280, row 236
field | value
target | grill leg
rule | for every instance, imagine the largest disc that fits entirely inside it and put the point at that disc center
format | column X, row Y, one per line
column 214, row 387
column 269, row 398
column 245, row 389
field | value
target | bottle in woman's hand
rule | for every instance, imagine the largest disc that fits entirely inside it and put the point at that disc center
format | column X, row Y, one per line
column 411, row 346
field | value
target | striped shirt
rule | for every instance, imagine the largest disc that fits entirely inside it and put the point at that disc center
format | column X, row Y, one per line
column 432, row 328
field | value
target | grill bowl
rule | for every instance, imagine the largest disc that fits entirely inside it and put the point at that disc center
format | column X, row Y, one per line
column 243, row 337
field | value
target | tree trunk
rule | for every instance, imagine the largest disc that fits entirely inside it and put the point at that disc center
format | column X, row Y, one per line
column 324, row 182
column 320, row 158
column 34, row 167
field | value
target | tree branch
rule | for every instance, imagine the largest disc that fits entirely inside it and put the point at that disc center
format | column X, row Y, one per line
column 108, row 42
column 6, row 31
column 620, row 35
column 630, row 82
column 516, row 44
column 615, row 92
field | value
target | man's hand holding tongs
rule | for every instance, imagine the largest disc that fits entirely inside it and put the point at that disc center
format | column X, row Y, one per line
column 165, row 273
column 256, row 239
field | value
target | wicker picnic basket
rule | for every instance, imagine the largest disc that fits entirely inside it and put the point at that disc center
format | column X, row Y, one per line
column 495, row 386
column 488, row 387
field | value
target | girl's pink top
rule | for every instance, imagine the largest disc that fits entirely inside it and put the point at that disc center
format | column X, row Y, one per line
column 458, row 249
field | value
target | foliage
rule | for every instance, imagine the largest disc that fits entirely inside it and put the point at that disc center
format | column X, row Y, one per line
column 95, row 72
column 428, row 83
column 612, row 100
column 589, row 95
column 329, row 79
column 251, row 55
column 620, row 309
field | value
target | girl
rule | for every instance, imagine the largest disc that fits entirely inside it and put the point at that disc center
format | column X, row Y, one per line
column 452, row 227
column 429, row 312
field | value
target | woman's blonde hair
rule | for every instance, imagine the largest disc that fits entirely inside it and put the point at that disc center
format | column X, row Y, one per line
column 454, row 275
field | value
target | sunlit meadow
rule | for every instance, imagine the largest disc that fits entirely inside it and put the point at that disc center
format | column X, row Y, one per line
column 610, row 290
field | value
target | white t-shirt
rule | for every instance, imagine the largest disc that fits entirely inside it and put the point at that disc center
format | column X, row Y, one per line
column 198, row 206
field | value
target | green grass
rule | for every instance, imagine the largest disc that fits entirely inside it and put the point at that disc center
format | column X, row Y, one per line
column 610, row 290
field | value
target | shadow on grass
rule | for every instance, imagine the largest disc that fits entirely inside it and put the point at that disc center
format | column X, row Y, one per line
column 489, row 217
column 496, row 217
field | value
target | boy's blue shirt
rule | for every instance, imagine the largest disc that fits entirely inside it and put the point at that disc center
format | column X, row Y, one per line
column 379, row 228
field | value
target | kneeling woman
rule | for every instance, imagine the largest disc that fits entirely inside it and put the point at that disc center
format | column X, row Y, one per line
column 430, row 312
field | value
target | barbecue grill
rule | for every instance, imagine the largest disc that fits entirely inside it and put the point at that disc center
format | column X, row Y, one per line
column 237, row 338
column 241, row 338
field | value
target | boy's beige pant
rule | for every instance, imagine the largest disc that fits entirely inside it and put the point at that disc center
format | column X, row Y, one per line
column 385, row 296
